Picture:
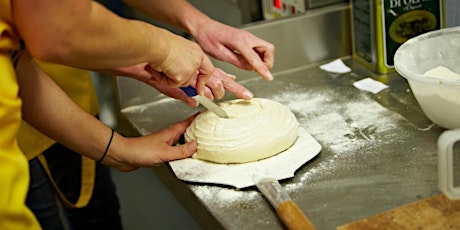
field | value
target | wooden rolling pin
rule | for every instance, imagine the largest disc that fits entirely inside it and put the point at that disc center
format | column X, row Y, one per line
column 288, row 211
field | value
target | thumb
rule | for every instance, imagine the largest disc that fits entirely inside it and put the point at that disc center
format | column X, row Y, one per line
column 181, row 151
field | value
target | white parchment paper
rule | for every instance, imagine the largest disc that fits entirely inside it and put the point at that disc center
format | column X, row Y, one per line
column 280, row 166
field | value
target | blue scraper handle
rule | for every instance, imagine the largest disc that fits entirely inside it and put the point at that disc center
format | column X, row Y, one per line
column 189, row 90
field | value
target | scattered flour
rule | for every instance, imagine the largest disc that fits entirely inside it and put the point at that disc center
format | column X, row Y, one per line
column 223, row 197
column 343, row 127
column 340, row 126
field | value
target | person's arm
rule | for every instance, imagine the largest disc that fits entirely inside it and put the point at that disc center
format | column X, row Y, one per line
column 47, row 108
column 177, row 13
column 82, row 33
column 223, row 42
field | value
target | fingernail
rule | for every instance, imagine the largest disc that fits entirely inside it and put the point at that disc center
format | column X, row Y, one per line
column 248, row 95
column 191, row 102
column 232, row 76
column 203, row 86
column 192, row 146
column 195, row 103
column 269, row 75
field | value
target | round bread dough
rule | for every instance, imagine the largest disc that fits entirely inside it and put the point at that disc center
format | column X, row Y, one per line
column 256, row 129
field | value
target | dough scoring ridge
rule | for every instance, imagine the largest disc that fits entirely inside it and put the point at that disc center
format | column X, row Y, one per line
column 256, row 129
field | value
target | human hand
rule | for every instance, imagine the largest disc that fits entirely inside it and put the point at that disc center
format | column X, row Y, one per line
column 222, row 81
column 236, row 46
column 215, row 88
column 183, row 62
column 150, row 150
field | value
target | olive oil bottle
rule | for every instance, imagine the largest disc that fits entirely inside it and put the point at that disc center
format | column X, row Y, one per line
column 379, row 27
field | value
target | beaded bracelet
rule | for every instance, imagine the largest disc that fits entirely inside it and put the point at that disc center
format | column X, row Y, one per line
column 107, row 148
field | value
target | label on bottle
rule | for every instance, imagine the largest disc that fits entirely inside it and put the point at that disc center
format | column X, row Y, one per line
column 405, row 19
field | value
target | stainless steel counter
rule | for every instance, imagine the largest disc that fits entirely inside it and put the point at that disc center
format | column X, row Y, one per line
column 379, row 151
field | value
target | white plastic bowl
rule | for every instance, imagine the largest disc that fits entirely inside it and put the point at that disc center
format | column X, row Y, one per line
column 438, row 98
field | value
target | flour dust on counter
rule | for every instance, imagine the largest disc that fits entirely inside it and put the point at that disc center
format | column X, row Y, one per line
column 344, row 127
column 222, row 196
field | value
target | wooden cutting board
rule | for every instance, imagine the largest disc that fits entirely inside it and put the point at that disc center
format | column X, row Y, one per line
column 437, row 212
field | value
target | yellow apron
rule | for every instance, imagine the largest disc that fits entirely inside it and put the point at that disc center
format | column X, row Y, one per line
column 78, row 85
column 14, row 168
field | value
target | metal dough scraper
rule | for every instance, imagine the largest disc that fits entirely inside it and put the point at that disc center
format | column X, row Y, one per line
column 264, row 174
